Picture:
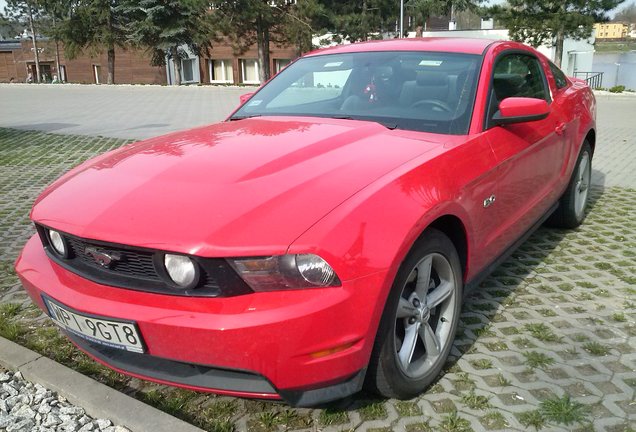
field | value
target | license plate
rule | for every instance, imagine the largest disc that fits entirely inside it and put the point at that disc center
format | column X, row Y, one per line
column 113, row 333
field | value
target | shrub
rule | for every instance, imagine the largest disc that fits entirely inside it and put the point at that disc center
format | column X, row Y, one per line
column 617, row 89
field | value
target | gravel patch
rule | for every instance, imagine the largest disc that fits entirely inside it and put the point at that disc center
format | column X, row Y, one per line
column 28, row 407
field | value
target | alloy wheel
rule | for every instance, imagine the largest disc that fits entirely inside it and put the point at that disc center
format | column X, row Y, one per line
column 425, row 314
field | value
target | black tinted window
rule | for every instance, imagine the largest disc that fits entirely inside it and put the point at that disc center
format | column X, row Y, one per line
column 519, row 75
column 559, row 76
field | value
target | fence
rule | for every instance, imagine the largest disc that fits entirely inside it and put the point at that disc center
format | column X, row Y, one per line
column 594, row 79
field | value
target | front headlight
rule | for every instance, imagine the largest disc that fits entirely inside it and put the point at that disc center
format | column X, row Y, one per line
column 57, row 242
column 181, row 269
column 285, row 272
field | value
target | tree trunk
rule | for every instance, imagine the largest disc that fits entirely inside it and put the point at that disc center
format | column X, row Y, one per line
column 262, row 40
column 111, row 65
column 111, row 48
column 176, row 61
column 558, row 48
column 363, row 19
column 57, row 54
column 38, row 78
column 57, row 61
column 558, row 45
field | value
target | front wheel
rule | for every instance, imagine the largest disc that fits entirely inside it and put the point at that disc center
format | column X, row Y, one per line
column 419, row 321
column 571, row 210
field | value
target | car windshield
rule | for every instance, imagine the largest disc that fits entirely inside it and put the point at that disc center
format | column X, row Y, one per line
column 421, row 91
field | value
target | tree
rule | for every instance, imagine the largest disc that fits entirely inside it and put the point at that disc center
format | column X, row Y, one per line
column 54, row 12
column 26, row 13
column 9, row 28
column 539, row 22
column 249, row 22
column 421, row 10
column 360, row 21
column 166, row 26
column 303, row 20
column 96, row 25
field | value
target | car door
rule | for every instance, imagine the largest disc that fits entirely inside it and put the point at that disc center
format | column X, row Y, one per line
column 529, row 154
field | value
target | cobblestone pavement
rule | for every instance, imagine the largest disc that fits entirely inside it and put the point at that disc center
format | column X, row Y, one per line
column 114, row 111
column 547, row 342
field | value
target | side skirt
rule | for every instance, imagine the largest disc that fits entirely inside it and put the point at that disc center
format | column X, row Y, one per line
column 479, row 278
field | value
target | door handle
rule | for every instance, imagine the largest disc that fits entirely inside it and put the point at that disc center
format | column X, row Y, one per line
column 560, row 128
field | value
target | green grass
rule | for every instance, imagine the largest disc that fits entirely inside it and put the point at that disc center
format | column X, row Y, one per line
column 535, row 359
column 482, row 363
column 454, row 423
column 10, row 310
column 373, row 411
column 542, row 332
column 475, row 401
column 563, row 410
column 407, row 409
column 494, row 420
column 532, row 419
column 619, row 317
column 333, row 416
column 596, row 348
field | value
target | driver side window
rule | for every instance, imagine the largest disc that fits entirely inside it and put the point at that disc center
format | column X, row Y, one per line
column 518, row 75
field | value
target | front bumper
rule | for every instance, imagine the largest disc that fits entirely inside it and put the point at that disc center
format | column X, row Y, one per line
column 303, row 346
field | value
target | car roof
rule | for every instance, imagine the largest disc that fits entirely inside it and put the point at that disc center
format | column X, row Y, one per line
column 440, row 44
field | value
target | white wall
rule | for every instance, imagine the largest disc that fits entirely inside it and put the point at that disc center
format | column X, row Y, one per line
column 196, row 73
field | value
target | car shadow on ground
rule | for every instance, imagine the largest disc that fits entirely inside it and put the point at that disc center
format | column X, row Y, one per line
column 508, row 278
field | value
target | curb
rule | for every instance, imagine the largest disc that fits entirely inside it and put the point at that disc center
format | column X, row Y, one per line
column 97, row 399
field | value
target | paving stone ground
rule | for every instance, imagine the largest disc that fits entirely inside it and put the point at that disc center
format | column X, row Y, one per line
column 556, row 320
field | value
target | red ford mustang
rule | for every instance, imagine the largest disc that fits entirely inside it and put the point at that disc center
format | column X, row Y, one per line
column 321, row 238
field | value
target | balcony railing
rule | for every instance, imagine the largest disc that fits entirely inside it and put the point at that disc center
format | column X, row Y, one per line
column 594, row 79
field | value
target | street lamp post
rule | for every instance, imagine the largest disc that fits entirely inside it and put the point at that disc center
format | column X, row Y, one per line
column 401, row 18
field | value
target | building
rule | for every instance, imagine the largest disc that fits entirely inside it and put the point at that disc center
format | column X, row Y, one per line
column 611, row 30
column 221, row 65
column 132, row 66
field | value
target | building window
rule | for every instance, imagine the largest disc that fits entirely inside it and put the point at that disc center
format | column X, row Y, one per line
column 221, row 71
column 249, row 71
column 187, row 69
column 280, row 64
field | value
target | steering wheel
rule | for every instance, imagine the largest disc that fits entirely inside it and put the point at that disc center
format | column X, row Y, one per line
column 433, row 103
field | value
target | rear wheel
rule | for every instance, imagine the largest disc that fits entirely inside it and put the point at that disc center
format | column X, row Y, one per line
column 419, row 321
column 571, row 210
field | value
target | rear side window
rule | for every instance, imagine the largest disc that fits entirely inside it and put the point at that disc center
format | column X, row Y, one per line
column 519, row 75
column 559, row 77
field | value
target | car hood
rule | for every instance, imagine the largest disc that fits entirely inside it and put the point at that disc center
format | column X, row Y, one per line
column 235, row 188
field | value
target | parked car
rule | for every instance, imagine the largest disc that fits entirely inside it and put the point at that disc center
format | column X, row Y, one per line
column 321, row 238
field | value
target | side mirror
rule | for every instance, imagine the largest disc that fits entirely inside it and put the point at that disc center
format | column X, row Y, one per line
column 520, row 110
column 245, row 97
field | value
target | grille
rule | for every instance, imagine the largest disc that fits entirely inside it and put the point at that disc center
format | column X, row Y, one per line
column 135, row 269
column 132, row 263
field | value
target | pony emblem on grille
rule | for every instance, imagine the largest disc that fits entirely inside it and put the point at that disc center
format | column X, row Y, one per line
column 102, row 257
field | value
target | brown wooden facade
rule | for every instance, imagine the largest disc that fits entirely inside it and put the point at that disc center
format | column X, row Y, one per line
column 224, row 52
column 132, row 66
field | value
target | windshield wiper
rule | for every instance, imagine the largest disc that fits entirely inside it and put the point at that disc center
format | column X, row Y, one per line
column 348, row 117
column 244, row 117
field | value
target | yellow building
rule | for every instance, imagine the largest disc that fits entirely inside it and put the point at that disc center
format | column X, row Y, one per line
column 611, row 30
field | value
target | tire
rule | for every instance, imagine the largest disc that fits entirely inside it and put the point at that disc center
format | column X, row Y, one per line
column 571, row 210
column 402, row 365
